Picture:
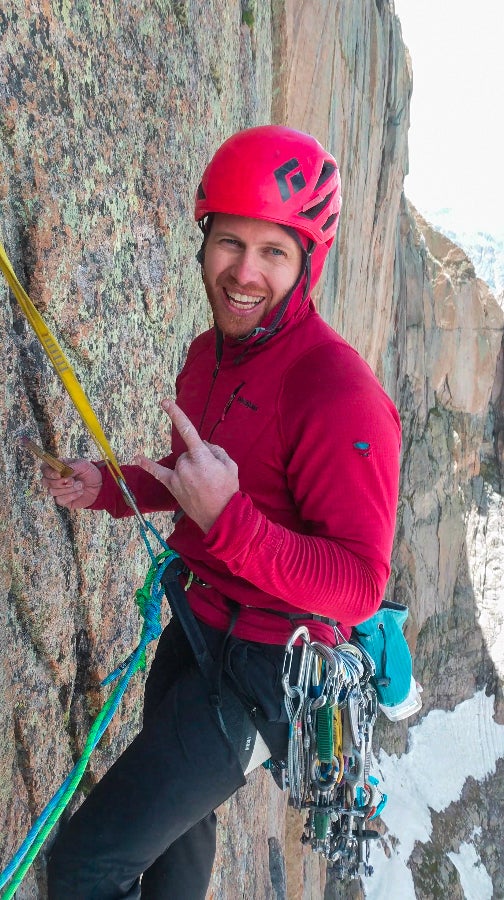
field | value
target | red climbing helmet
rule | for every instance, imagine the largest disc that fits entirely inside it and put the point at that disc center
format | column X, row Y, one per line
column 277, row 174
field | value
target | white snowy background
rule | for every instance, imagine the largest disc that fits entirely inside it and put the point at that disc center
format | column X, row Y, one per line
column 444, row 749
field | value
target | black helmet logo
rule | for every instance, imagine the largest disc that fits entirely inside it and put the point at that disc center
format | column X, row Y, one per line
column 293, row 184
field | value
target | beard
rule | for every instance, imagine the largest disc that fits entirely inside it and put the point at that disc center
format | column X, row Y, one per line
column 240, row 322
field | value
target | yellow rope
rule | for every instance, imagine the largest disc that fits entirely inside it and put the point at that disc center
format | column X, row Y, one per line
column 61, row 365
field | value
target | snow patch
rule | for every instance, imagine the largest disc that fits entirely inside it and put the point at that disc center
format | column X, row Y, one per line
column 444, row 749
column 474, row 878
column 483, row 246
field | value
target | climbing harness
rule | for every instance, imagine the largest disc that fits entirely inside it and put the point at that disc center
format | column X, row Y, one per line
column 332, row 708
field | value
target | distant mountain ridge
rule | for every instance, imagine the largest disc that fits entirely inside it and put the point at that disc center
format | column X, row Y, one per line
column 484, row 248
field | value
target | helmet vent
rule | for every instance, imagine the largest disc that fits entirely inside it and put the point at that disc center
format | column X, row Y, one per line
column 200, row 192
column 314, row 211
column 327, row 170
column 327, row 224
column 292, row 186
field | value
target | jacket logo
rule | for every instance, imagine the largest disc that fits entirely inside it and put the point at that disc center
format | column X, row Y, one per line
column 247, row 403
column 363, row 448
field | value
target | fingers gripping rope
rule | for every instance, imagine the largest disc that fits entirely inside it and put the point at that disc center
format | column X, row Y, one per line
column 149, row 600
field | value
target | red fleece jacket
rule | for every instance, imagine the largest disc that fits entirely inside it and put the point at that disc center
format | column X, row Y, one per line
column 316, row 441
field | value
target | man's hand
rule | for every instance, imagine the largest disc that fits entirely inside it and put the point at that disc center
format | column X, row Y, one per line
column 76, row 491
column 204, row 478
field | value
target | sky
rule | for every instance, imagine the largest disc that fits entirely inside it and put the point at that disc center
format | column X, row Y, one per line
column 456, row 137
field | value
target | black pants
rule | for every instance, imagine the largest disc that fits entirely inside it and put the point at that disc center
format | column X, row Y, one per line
column 152, row 813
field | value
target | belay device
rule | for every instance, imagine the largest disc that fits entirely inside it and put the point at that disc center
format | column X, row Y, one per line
column 332, row 708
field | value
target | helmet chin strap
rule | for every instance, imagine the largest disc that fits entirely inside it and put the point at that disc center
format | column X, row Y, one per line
column 204, row 225
column 305, row 271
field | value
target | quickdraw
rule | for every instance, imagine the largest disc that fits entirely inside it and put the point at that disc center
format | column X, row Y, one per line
column 332, row 707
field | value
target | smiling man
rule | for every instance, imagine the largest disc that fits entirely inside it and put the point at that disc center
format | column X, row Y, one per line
column 250, row 266
column 283, row 477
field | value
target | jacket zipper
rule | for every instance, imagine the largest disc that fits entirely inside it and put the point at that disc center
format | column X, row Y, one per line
column 210, row 392
column 226, row 409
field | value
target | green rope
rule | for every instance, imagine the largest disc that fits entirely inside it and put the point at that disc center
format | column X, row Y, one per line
column 149, row 600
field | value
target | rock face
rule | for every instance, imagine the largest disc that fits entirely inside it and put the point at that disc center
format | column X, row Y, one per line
column 448, row 559
column 485, row 248
column 107, row 115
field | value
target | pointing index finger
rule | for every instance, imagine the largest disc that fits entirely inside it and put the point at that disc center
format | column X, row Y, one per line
column 183, row 425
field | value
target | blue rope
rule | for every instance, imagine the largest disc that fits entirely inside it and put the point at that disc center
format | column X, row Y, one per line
column 149, row 599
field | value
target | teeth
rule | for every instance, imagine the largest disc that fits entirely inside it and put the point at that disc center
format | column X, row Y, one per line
column 244, row 299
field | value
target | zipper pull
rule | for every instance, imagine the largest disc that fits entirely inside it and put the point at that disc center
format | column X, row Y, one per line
column 231, row 401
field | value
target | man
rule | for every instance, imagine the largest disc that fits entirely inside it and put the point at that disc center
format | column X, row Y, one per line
column 283, row 478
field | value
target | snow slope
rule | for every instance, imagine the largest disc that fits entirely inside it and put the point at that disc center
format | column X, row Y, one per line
column 444, row 749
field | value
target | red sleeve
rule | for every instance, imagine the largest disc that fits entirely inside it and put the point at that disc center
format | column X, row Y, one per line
column 149, row 493
column 343, row 438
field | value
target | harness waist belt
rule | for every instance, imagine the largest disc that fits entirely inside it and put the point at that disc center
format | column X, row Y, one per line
column 312, row 617
column 293, row 617
column 180, row 606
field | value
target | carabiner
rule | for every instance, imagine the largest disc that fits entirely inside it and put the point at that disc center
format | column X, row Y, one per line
column 301, row 632
column 130, row 500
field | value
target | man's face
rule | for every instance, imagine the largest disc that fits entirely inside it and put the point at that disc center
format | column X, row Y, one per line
column 249, row 267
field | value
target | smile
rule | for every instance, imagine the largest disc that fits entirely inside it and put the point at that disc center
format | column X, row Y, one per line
column 242, row 301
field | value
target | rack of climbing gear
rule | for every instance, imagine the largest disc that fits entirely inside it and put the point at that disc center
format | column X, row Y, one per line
column 332, row 708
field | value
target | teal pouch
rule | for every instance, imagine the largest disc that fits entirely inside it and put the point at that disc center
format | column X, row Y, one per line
column 382, row 637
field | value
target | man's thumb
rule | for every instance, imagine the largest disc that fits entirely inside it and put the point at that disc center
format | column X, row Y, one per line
column 162, row 473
